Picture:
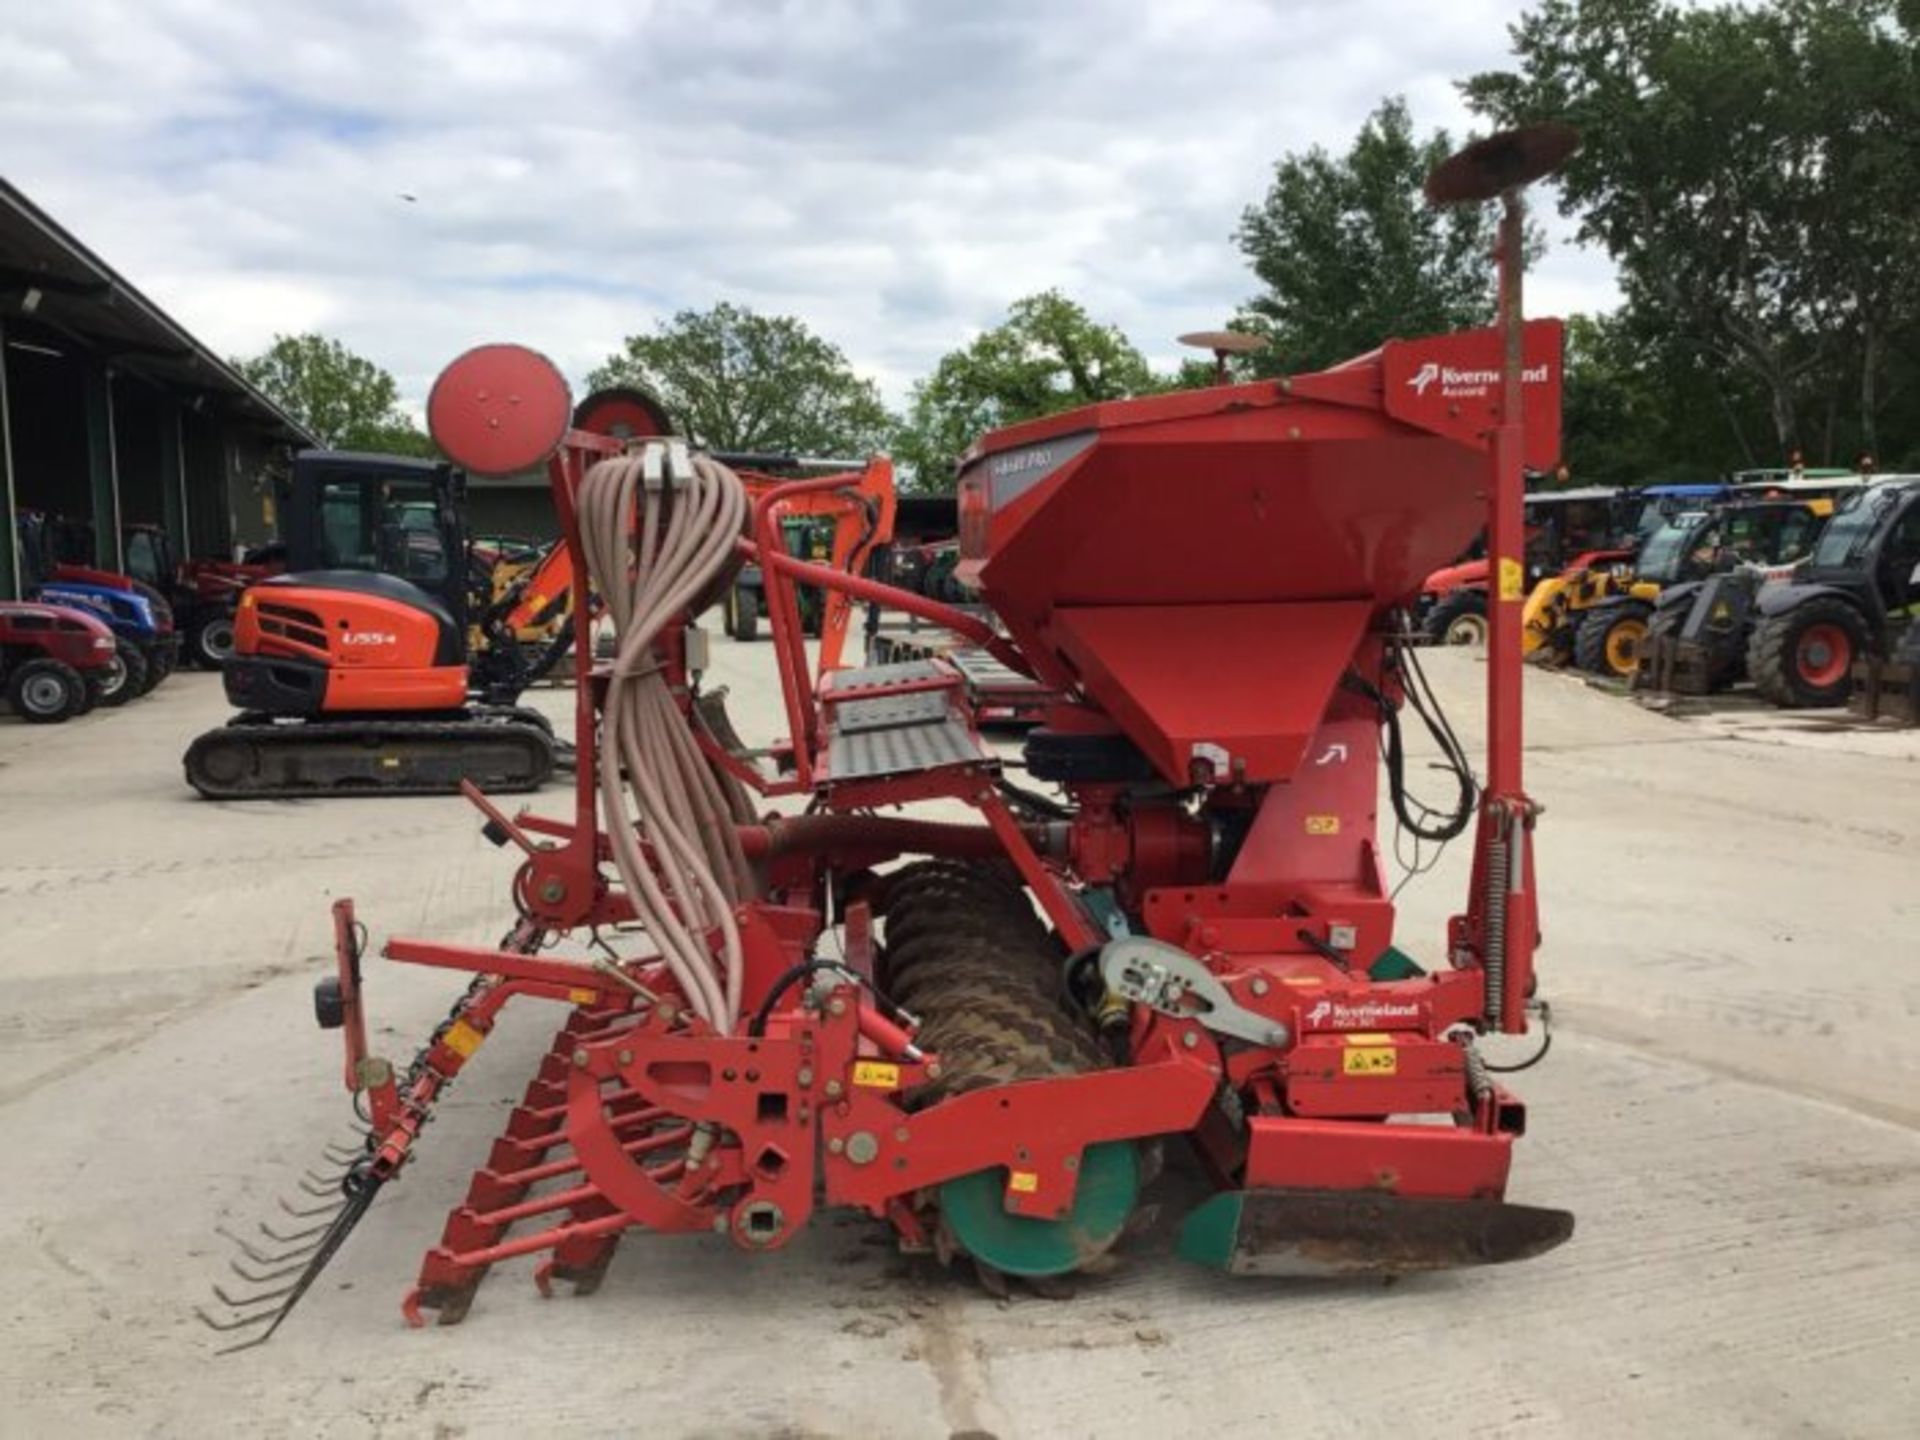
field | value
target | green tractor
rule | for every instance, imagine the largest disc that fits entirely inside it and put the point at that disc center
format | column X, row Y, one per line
column 807, row 537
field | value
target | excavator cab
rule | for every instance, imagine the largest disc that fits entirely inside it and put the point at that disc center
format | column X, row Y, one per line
column 383, row 514
column 371, row 614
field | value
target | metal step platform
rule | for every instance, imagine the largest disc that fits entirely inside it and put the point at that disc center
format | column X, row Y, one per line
column 895, row 720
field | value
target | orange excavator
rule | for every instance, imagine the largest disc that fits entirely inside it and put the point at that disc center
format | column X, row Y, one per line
column 370, row 667
column 354, row 672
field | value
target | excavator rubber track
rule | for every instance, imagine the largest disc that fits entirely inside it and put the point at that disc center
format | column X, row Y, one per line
column 258, row 759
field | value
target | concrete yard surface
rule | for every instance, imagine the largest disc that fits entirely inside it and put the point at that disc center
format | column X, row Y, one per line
column 1731, row 1106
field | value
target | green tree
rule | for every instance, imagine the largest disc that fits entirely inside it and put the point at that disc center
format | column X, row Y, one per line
column 1641, row 407
column 1860, row 73
column 347, row 401
column 1751, row 172
column 737, row 380
column 1351, row 253
column 1048, row 355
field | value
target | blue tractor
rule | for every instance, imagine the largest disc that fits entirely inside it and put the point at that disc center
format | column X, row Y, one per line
column 137, row 614
column 1650, row 507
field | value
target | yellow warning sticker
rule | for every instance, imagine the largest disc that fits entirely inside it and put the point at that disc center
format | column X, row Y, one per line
column 876, row 1073
column 1323, row 824
column 462, row 1038
column 1513, row 579
column 1023, row 1182
column 583, row 997
column 1368, row 1059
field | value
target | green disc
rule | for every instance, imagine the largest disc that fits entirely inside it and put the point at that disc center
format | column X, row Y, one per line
column 1211, row 1233
column 975, row 1211
column 1394, row 965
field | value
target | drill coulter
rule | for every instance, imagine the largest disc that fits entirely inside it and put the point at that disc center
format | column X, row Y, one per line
column 983, row 1034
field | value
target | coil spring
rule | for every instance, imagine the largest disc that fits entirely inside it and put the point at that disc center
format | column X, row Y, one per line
column 1494, row 962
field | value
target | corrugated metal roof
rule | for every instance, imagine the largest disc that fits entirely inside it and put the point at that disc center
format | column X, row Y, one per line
column 75, row 292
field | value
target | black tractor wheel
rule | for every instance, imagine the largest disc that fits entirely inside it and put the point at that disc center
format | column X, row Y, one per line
column 108, row 683
column 210, row 643
column 1459, row 618
column 1608, row 640
column 743, row 613
column 1803, row 657
column 46, row 691
column 161, row 660
column 139, row 674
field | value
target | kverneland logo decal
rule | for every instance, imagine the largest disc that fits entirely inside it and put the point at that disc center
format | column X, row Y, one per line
column 1361, row 1014
column 1456, row 383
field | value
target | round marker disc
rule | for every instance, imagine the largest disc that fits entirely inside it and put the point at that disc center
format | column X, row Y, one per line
column 1501, row 162
column 622, row 412
column 1232, row 342
column 499, row 409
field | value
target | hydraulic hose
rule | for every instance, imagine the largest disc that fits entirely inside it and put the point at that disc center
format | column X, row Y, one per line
column 658, row 526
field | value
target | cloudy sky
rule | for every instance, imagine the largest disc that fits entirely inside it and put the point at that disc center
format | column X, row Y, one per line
column 893, row 173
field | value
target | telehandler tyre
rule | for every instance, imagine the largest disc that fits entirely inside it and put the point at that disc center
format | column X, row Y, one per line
column 1608, row 641
column 1804, row 657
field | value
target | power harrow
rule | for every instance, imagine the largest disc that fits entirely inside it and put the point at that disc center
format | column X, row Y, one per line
column 986, row 1034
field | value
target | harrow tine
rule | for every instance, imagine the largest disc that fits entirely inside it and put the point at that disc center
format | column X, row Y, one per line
column 342, row 1154
column 332, row 1181
column 266, row 1277
column 231, row 1323
column 244, row 1301
column 298, row 1235
column 309, row 1212
column 336, row 1236
column 318, row 1191
column 244, row 1246
column 256, row 1341
column 258, row 1256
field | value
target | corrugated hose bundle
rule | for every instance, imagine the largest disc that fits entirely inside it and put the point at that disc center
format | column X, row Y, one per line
column 658, row 526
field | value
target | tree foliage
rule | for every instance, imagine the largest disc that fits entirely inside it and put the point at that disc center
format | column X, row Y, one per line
column 1350, row 253
column 1752, row 173
column 1048, row 355
column 347, row 401
column 737, row 380
column 1641, row 407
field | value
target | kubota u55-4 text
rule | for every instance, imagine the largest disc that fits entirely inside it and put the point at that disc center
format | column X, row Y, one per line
column 983, row 1034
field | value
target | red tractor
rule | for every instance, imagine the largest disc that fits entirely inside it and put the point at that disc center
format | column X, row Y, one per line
column 206, row 593
column 1566, row 529
column 985, row 1035
column 56, row 662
